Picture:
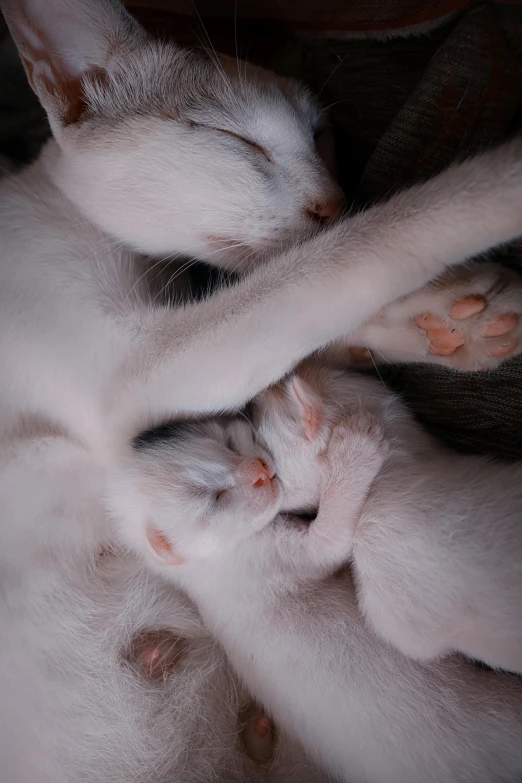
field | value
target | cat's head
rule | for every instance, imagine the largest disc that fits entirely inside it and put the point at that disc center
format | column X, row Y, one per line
column 193, row 490
column 169, row 150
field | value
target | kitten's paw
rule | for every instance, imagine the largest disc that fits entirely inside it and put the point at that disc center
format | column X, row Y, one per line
column 470, row 319
column 156, row 654
column 357, row 440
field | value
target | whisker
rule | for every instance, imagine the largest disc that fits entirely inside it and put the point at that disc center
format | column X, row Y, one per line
column 211, row 51
column 341, row 61
column 375, row 366
column 191, row 263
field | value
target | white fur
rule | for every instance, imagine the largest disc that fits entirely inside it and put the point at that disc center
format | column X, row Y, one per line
column 88, row 359
column 437, row 547
column 72, row 711
column 294, row 633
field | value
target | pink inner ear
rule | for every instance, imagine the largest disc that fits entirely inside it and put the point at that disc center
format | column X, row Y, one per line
column 311, row 411
column 163, row 548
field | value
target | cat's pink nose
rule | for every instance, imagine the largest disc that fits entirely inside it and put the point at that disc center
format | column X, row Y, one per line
column 260, row 473
column 326, row 211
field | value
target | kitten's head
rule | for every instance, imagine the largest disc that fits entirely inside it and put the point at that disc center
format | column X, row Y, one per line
column 168, row 150
column 194, row 490
column 293, row 419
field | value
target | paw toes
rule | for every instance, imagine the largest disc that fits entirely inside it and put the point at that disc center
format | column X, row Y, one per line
column 500, row 326
column 505, row 349
column 467, row 307
column 477, row 343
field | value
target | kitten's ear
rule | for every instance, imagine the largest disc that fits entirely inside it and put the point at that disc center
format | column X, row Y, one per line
column 62, row 43
column 162, row 547
column 309, row 405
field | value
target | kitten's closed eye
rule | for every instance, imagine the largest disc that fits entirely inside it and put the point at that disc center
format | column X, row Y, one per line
column 306, row 516
column 221, row 495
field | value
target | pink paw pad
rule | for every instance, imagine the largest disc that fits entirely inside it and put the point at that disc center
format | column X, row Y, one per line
column 445, row 339
column 467, row 307
column 500, row 326
column 505, row 349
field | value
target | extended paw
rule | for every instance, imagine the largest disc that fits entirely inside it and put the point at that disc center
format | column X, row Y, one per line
column 359, row 439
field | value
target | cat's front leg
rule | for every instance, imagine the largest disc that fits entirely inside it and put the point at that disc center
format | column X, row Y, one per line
column 355, row 454
column 221, row 352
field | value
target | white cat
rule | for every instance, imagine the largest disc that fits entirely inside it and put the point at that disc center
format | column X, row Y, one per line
column 437, row 546
column 73, row 710
column 194, row 501
column 164, row 152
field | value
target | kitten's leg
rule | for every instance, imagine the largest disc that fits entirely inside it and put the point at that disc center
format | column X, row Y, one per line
column 354, row 456
column 221, row 352
column 469, row 319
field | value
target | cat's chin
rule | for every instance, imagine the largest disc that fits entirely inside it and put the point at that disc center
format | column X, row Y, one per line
column 232, row 255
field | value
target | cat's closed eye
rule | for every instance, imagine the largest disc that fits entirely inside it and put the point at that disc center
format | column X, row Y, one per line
column 252, row 144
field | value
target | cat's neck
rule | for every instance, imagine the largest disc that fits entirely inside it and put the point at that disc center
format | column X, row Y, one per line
column 34, row 200
column 52, row 166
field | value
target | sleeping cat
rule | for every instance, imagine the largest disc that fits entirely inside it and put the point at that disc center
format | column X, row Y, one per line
column 162, row 152
column 198, row 502
column 437, row 545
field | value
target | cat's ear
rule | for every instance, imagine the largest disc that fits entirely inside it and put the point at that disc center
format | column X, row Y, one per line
column 62, row 43
column 309, row 406
column 162, row 548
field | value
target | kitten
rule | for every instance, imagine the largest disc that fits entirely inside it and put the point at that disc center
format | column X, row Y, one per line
column 437, row 546
column 188, row 501
column 161, row 152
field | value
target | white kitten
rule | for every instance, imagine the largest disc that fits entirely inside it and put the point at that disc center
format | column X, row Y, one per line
column 292, row 631
column 437, row 547
column 166, row 152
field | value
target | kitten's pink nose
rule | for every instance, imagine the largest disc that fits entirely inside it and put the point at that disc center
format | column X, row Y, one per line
column 326, row 211
column 259, row 473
